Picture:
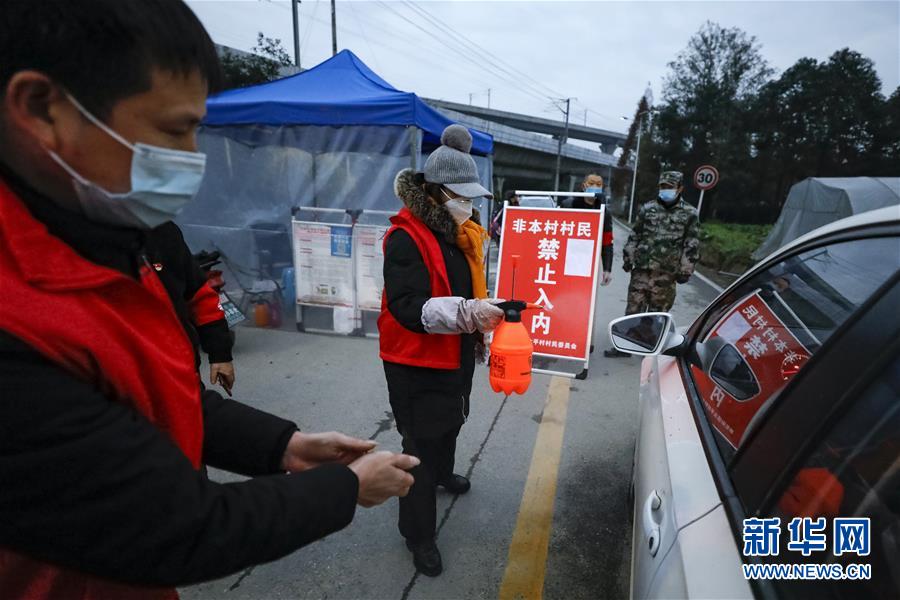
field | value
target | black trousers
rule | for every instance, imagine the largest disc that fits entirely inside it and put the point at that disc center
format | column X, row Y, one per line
column 418, row 509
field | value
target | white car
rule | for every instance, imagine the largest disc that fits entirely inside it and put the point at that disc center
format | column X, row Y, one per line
column 782, row 400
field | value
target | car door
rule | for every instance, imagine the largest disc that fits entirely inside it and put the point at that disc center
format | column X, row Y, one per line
column 798, row 301
column 672, row 482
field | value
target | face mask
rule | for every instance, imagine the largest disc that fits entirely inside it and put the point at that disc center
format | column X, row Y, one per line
column 668, row 197
column 163, row 181
column 594, row 190
column 459, row 208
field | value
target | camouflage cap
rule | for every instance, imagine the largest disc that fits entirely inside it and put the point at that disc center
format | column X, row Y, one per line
column 671, row 177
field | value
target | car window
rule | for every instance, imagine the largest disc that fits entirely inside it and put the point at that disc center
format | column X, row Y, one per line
column 854, row 472
column 765, row 330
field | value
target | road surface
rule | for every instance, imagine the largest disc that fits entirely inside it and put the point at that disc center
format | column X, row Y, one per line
column 560, row 523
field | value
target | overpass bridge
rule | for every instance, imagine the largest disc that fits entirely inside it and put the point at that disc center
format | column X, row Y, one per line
column 525, row 155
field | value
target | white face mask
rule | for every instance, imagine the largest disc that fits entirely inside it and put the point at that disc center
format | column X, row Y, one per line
column 459, row 208
column 163, row 181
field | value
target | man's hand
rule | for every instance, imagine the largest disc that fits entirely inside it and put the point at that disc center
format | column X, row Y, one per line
column 222, row 374
column 626, row 266
column 383, row 475
column 605, row 278
column 308, row 450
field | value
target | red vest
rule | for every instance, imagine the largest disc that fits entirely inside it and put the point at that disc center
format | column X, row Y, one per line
column 121, row 335
column 399, row 344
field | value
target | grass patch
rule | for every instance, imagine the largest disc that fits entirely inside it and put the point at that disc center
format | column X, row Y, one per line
column 728, row 246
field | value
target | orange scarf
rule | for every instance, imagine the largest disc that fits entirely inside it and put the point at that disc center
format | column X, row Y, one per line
column 470, row 238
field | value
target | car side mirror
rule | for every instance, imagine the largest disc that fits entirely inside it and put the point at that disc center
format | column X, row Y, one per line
column 645, row 334
column 733, row 374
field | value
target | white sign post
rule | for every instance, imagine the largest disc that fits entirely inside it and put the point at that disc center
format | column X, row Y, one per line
column 705, row 178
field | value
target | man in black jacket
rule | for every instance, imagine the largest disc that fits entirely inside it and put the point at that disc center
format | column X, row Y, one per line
column 594, row 183
column 199, row 309
column 101, row 494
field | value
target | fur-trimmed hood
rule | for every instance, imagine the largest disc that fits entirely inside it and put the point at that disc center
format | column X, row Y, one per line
column 435, row 216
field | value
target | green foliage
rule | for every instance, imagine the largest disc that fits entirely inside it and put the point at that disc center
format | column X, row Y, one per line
column 728, row 246
column 721, row 107
column 707, row 93
column 822, row 119
column 262, row 65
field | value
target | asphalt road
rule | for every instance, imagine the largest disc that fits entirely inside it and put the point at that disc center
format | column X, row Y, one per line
column 330, row 382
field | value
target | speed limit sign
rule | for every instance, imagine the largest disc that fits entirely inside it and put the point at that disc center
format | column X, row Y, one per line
column 706, row 177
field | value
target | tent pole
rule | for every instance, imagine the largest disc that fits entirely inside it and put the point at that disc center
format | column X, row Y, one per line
column 413, row 147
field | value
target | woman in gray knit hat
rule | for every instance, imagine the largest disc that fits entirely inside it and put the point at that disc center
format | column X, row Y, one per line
column 433, row 314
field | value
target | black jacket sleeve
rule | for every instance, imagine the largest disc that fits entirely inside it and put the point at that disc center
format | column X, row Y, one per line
column 90, row 484
column 406, row 281
column 214, row 337
column 606, row 249
column 242, row 439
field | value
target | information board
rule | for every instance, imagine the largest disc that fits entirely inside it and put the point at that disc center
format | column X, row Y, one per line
column 368, row 251
column 323, row 265
column 555, row 254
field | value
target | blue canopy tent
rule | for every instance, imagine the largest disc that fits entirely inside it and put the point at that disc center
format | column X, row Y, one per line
column 331, row 137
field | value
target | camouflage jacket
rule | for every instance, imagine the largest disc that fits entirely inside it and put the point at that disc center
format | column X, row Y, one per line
column 664, row 239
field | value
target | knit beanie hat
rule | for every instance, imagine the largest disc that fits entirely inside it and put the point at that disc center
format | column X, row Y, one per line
column 452, row 165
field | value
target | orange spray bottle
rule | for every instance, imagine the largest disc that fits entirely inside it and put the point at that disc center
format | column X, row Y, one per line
column 511, row 348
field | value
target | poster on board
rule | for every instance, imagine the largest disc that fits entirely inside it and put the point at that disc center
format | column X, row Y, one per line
column 368, row 252
column 323, row 264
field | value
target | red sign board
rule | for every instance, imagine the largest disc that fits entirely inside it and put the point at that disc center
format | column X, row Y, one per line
column 706, row 177
column 773, row 353
column 556, row 254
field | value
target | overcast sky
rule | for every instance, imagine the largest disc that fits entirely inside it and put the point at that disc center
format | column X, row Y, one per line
column 602, row 53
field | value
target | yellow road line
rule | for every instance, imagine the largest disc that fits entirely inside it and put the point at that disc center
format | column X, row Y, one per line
column 525, row 567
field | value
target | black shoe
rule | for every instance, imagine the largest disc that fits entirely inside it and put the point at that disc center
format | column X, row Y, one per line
column 426, row 557
column 615, row 353
column 455, row 484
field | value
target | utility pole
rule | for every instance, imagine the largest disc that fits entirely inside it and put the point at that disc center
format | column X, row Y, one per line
column 295, row 7
column 489, row 97
column 637, row 157
column 470, row 98
column 562, row 140
column 333, row 28
column 585, row 117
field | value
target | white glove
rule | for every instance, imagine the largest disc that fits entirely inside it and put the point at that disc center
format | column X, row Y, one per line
column 455, row 314
column 482, row 315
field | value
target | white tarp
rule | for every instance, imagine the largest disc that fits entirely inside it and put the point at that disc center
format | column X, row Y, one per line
column 818, row 201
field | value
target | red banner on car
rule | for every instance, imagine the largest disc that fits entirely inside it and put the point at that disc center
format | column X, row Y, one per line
column 769, row 348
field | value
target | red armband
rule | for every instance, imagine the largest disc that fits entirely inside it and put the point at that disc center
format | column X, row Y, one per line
column 205, row 307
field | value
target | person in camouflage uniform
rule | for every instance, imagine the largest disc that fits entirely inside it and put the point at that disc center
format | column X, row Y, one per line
column 661, row 251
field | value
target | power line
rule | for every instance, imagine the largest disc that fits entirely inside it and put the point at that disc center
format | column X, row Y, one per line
column 308, row 34
column 403, row 52
column 464, row 53
column 499, row 63
column 481, row 55
column 362, row 30
column 482, row 51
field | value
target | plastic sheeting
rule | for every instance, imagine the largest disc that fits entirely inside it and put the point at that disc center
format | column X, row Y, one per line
column 818, row 201
column 258, row 175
